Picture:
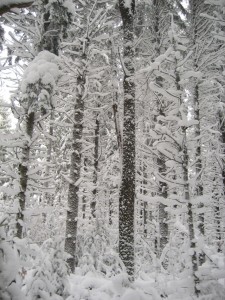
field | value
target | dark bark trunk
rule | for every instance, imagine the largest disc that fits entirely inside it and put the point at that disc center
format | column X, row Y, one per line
column 190, row 215
column 75, row 170
column 197, row 7
column 49, row 198
column 96, row 158
column 222, row 131
column 23, row 169
column 217, row 207
column 115, row 97
column 127, row 190
column 198, row 169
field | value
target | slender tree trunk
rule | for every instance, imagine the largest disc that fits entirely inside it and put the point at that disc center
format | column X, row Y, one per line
column 198, row 165
column 190, row 214
column 222, row 131
column 217, row 207
column 217, row 217
column 49, row 198
column 159, row 6
column 127, row 189
column 187, row 197
column 23, row 169
column 96, row 158
column 115, row 97
column 197, row 7
column 75, row 170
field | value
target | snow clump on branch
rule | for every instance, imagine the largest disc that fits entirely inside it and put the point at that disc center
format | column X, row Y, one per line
column 39, row 80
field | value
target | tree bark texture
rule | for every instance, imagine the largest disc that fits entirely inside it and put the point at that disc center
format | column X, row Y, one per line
column 194, row 259
column 75, row 170
column 127, row 189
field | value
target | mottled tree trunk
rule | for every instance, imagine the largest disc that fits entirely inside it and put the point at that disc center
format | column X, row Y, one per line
column 75, row 170
column 127, row 189
column 190, row 214
column 198, row 164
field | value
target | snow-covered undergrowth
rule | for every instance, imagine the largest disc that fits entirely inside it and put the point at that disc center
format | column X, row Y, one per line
column 150, row 286
column 94, row 287
column 32, row 272
column 46, row 278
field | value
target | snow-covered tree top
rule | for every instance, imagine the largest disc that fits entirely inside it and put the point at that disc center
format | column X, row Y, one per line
column 43, row 68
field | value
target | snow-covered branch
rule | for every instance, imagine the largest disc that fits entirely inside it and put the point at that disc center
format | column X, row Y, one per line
column 7, row 5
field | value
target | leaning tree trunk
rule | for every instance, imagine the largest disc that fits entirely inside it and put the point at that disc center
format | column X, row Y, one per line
column 127, row 190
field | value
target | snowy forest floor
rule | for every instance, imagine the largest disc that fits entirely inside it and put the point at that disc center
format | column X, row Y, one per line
column 148, row 287
column 41, row 272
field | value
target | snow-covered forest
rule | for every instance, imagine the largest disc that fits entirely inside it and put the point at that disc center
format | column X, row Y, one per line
column 112, row 149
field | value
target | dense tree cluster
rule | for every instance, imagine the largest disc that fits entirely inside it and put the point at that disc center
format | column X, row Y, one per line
column 113, row 177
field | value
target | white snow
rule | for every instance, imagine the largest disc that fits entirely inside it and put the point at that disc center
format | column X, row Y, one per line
column 44, row 68
column 127, row 3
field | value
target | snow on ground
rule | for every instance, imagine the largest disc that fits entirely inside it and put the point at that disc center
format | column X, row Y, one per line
column 92, row 287
column 152, row 286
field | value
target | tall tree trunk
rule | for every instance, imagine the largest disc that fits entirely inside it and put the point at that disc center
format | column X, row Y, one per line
column 127, row 189
column 49, row 198
column 159, row 6
column 198, row 7
column 198, row 165
column 23, row 169
column 184, row 165
column 222, row 131
column 96, row 158
column 190, row 213
column 115, row 97
column 217, row 207
column 75, row 170
column 53, row 47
